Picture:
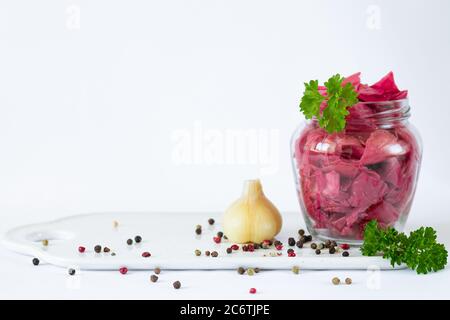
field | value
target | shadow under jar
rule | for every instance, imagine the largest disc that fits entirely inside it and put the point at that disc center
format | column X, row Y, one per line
column 367, row 172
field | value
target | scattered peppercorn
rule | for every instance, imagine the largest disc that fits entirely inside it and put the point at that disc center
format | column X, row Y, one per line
column 98, row 248
column 207, row 253
column 211, row 221
column 129, row 242
column 277, row 243
column 301, row 232
column 345, row 254
column 113, row 254
column 115, row 224
column 256, row 246
column 177, row 284
column 299, row 244
column 220, row 234
column 345, row 246
column 291, row 242
column 241, row 270
column 252, row 290
column 291, row 254
column 334, row 243
column 320, row 246
column 123, row 270
column 146, row 254
column 214, row 254
column 257, row 270
column 198, row 231
column 318, row 251
column 335, row 280
column 45, row 242
column 153, row 278
column 235, row 247
column 35, row 261
column 81, row 249
column 198, row 253
column 290, row 250
column 225, row 237
column 348, row 281
column 157, row 270
column 198, row 226
column 279, row 247
column 250, row 271
column 138, row 239
column 245, row 248
column 332, row 250
column 313, row 245
column 265, row 245
column 295, row 269
column 327, row 244
column 308, row 238
column 217, row 239
column 229, row 250
column 106, row 249
column 251, row 247
column 71, row 272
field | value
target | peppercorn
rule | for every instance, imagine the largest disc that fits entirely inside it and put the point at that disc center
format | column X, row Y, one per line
column 197, row 252
column 35, row 261
column 220, row 234
column 198, row 226
column 106, row 249
column 308, row 238
column 211, row 221
column 334, row 243
column 153, row 278
column 313, row 245
column 291, row 254
column 332, row 250
column 301, row 232
column 229, row 250
column 225, row 237
column 295, row 269
column 335, row 280
column 113, row 254
column 207, row 253
column 257, row 270
column 299, row 244
column 115, row 224
column 217, row 239
column 265, row 245
column 256, row 246
column 345, row 254
column 252, row 290
column 138, row 239
column 277, row 243
column 245, row 248
column 345, row 246
column 98, row 248
column 241, row 270
column 146, row 254
column 198, row 231
column 123, row 270
column 348, row 281
column 214, row 254
column 250, row 271
column 71, row 272
column 251, row 247
column 177, row 284
column 327, row 244
column 320, row 246
column 290, row 250
column 81, row 249
column 45, row 242
column 235, row 247
column 318, row 251
column 291, row 242
column 129, row 242
column 157, row 271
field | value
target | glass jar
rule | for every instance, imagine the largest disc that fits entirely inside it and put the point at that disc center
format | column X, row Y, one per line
column 369, row 171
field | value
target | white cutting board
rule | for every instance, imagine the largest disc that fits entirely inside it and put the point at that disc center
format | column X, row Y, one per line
column 171, row 240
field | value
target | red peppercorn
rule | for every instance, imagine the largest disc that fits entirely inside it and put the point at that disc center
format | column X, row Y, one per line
column 251, row 247
column 252, row 290
column 123, row 270
column 81, row 249
column 279, row 247
column 267, row 242
column 146, row 254
column 291, row 254
column 217, row 239
column 235, row 247
column 345, row 246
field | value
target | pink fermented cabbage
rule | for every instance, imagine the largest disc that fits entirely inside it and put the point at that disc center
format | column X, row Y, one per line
column 366, row 172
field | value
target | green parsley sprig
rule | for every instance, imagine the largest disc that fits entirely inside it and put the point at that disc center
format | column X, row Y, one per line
column 338, row 99
column 419, row 251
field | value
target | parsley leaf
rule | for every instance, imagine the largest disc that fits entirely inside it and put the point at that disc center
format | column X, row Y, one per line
column 419, row 251
column 338, row 99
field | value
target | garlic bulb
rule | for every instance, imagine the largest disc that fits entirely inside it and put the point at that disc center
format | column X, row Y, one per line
column 252, row 218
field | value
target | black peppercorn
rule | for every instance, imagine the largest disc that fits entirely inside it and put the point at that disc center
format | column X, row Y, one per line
column 214, row 254
column 257, row 270
column 207, row 253
column 256, row 246
column 98, row 248
column 129, row 242
column 229, row 250
column 35, row 261
column 157, row 270
column 332, row 250
column 138, row 239
column 106, row 249
column 220, row 234
column 318, row 251
column 211, row 221
column 327, row 244
column 345, row 254
column 313, row 246
column 334, row 243
column 301, row 232
column 291, row 242
column 198, row 231
column 299, row 244
column 308, row 238
column 177, row 284
column 71, row 272
column 153, row 278
column 241, row 270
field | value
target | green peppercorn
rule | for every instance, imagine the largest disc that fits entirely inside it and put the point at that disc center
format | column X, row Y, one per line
column 250, row 271
column 241, row 270
column 295, row 269
column 301, row 232
column 198, row 231
column 336, row 281
column 45, row 242
column 225, row 237
column 198, row 253
column 313, row 246
column 320, row 246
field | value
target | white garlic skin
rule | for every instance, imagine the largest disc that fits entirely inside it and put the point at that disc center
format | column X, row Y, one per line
column 252, row 218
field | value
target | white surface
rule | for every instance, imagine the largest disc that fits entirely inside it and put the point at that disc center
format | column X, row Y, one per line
column 171, row 240
column 88, row 116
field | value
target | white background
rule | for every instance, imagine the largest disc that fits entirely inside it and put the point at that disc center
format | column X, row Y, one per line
column 93, row 92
